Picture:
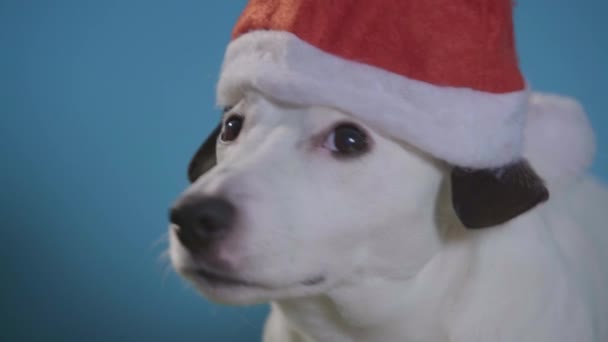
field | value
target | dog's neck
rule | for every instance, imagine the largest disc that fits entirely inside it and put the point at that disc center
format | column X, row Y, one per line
column 372, row 307
column 371, row 310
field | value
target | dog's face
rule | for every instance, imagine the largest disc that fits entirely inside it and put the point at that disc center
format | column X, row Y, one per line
column 301, row 199
column 291, row 201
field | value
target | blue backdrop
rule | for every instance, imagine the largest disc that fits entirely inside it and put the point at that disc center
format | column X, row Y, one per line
column 102, row 104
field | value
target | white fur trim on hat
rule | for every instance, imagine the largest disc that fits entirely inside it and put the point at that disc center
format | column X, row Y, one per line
column 462, row 126
column 559, row 140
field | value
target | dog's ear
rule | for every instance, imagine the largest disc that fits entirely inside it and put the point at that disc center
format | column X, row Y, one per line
column 489, row 197
column 204, row 158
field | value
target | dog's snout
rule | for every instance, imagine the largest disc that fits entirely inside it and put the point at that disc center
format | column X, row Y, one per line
column 202, row 219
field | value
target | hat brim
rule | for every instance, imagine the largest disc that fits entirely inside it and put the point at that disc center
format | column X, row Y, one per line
column 462, row 126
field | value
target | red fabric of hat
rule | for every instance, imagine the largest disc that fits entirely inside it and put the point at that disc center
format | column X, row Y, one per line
column 445, row 42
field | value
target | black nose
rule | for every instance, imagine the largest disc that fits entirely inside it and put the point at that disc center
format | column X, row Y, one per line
column 202, row 219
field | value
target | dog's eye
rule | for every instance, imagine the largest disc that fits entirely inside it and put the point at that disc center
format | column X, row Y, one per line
column 347, row 140
column 232, row 128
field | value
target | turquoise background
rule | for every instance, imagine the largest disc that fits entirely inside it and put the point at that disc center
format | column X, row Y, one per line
column 102, row 104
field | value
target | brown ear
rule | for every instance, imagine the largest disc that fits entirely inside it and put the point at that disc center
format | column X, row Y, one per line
column 205, row 158
column 489, row 197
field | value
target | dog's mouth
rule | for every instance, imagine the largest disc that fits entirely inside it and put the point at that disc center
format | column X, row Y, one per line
column 216, row 279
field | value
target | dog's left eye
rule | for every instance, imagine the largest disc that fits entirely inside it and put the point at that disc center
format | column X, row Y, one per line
column 347, row 140
column 232, row 128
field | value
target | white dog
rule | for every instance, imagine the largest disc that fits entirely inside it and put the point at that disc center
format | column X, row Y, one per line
column 353, row 236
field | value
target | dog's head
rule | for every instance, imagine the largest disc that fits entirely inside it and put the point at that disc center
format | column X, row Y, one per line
column 290, row 201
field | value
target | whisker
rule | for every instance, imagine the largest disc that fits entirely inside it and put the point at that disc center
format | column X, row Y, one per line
column 247, row 321
column 167, row 270
column 164, row 237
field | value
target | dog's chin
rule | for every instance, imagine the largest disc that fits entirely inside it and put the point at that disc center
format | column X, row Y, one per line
column 237, row 291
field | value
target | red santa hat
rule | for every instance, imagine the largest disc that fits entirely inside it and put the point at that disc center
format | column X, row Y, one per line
column 441, row 75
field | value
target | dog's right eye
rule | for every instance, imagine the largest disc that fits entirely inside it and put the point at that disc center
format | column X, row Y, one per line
column 232, row 128
column 347, row 140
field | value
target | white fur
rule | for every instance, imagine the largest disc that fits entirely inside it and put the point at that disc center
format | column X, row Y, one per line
column 463, row 126
column 397, row 264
